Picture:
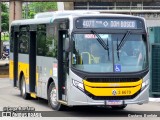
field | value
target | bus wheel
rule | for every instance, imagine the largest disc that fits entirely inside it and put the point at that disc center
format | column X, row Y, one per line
column 24, row 94
column 52, row 98
column 120, row 107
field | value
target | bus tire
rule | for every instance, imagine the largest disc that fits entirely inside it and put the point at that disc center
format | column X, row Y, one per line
column 23, row 92
column 52, row 98
column 120, row 107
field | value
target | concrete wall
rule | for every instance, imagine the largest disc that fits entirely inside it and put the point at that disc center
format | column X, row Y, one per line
column 68, row 5
column 60, row 6
column 152, row 23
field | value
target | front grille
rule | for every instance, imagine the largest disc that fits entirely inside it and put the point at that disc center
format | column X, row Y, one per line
column 112, row 97
column 113, row 79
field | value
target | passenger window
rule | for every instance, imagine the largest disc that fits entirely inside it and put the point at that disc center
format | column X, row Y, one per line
column 24, row 40
column 50, row 40
column 41, row 40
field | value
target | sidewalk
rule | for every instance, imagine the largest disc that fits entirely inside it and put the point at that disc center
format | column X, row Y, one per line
column 4, row 76
column 154, row 99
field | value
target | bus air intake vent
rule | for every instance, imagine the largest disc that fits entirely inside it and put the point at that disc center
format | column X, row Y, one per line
column 112, row 79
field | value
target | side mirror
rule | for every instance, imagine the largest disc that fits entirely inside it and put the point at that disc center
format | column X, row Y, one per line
column 67, row 45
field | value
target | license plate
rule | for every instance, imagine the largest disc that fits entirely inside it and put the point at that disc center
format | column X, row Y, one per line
column 114, row 102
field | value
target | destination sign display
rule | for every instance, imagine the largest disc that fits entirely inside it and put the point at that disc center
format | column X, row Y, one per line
column 106, row 23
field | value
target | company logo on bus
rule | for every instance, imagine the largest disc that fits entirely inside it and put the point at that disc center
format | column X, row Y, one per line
column 114, row 92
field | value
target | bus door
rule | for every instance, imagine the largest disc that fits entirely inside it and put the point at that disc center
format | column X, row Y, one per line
column 15, row 55
column 62, row 65
column 32, row 59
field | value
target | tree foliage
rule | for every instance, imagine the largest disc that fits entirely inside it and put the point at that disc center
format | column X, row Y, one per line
column 30, row 9
column 5, row 17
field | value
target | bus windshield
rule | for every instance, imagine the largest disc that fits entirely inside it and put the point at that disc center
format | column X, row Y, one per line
column 90, row 56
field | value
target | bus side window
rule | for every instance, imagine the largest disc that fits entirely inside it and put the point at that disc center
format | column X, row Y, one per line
column 24, row 40
column 41, row 40
column 50, row 40
column 55, row 41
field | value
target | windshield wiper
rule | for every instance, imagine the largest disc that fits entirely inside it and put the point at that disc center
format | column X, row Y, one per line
column 108, row 50
column 120, row 45
column 101, row 41
column 122, row 42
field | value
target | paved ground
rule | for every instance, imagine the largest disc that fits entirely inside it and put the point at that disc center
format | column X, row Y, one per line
column 10, row 97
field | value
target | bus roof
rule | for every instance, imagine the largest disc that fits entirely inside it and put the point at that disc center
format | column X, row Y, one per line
column 63, row 13
column 48, row 17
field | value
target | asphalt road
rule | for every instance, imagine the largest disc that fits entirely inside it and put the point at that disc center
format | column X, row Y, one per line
column 10, row 97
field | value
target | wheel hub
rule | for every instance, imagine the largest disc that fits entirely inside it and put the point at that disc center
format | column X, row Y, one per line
column 53, row 96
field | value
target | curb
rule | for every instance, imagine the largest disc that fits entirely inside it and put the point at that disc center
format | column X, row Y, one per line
column 4, row 76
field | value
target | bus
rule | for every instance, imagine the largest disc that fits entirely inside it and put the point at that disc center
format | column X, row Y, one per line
column 84, row 58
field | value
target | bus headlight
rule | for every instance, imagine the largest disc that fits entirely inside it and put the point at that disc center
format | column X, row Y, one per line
column 144, row 84
column 78, row 85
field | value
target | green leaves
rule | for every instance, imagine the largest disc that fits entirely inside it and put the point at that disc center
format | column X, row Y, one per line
column 33, row 8
column 5, row 17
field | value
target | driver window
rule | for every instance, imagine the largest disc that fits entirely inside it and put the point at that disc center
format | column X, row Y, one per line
column 65, row 54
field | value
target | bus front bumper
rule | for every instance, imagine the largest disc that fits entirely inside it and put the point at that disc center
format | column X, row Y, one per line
column 80, row 98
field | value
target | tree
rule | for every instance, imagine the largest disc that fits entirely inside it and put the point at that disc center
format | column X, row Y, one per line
column 30, row 9
column 5, row 17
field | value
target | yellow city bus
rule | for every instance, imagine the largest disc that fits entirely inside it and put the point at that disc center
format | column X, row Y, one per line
column 80, row 58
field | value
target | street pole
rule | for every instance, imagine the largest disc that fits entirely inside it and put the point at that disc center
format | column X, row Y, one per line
column 0, row 29
column 26, row 10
